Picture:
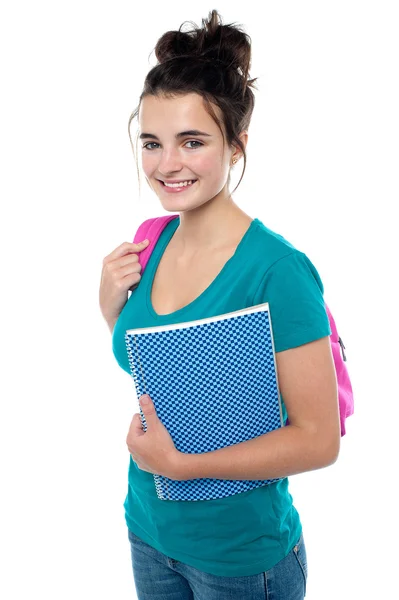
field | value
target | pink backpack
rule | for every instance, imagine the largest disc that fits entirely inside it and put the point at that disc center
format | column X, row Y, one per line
column 152, row 228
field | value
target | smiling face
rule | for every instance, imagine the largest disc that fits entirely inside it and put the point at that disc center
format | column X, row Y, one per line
column 167, row 155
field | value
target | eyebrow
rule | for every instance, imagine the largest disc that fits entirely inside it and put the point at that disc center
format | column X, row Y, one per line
column 177, row 136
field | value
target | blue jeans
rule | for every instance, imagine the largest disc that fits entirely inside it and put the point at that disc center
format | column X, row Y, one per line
column 157, row 577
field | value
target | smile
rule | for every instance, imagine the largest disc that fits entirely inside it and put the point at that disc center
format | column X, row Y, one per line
column 175, row 188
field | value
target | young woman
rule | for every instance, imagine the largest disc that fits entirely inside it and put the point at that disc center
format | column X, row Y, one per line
column 194, row 114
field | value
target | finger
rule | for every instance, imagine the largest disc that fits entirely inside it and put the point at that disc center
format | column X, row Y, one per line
column 137, row 425
column 125, row 248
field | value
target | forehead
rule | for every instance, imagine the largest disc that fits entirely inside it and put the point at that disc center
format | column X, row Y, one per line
column 180, row 112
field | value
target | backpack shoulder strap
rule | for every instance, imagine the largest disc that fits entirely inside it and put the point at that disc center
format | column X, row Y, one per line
column 151, row 229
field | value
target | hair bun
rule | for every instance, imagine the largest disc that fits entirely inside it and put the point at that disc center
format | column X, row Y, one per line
column 225, row 46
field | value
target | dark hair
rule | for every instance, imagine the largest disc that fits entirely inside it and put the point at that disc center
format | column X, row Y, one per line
column 212, row 61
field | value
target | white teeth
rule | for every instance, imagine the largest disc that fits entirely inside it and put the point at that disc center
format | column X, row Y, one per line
column 181, row 184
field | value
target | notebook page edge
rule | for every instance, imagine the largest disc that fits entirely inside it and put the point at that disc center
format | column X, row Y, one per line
column 247, row 310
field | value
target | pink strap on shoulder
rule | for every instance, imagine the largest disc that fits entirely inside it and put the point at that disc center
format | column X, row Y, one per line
column 151, row 229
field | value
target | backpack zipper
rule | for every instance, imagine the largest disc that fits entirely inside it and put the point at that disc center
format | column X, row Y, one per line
column 341, row 343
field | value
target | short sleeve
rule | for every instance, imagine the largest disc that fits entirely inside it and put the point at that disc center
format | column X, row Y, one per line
column 294, row 291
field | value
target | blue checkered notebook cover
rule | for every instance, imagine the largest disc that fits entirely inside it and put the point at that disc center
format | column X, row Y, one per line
column 214, row 384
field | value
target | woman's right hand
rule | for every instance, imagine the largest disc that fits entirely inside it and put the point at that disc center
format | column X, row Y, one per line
column 120, row 273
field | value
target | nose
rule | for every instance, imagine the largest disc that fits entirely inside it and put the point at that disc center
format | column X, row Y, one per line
column 170, row 162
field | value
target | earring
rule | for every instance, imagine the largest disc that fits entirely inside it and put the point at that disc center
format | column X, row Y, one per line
column 234, row 160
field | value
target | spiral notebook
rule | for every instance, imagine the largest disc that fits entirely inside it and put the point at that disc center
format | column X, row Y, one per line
column 214, row 384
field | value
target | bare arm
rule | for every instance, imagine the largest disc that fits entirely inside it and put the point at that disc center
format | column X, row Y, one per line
column 308, row 384
column 111, row 324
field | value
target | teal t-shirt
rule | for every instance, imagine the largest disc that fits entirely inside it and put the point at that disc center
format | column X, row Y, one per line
column 249, row 532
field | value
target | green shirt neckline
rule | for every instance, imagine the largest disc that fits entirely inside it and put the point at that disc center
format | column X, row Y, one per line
column 161, row 249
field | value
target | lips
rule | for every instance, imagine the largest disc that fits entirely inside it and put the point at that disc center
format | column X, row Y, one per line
column 178, row 189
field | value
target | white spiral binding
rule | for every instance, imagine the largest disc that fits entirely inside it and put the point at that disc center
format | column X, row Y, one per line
column 131, row 364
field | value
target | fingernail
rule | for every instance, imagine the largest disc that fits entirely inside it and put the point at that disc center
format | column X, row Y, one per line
column 145, row 399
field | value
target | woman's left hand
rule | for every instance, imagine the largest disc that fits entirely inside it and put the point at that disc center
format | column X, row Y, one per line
column 152, row 450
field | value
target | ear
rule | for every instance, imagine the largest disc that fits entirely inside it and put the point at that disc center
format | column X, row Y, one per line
column 244, row 139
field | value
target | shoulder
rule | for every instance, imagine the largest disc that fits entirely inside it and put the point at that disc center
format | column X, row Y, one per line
column 270, row 246
column 276, row 256
column 292, row 286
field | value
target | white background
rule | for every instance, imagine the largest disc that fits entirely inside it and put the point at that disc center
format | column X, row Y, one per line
column 322, row 171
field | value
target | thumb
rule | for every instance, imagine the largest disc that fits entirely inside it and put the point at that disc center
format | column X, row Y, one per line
column 147, row 406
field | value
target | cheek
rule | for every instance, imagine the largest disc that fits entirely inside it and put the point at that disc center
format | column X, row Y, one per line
column 208, row 166
column 149, row 164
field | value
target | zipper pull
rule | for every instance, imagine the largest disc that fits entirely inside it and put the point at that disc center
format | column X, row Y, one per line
column 342, row 348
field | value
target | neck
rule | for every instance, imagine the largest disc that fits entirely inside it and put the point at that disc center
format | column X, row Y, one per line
column 210, row 226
